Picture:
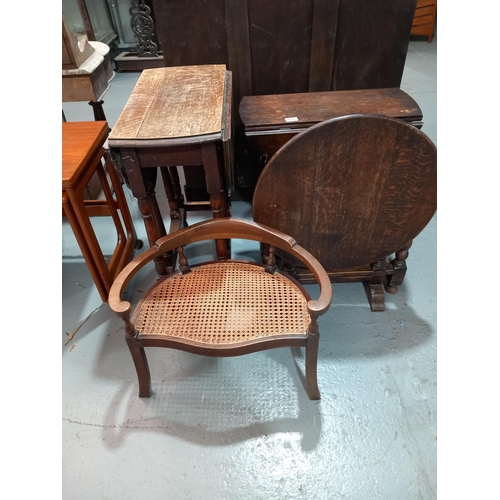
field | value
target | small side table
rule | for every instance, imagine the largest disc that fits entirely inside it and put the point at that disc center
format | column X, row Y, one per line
column 176, row 116
column 82, row 156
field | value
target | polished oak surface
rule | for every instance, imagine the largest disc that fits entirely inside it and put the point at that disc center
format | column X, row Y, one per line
column 80, row 141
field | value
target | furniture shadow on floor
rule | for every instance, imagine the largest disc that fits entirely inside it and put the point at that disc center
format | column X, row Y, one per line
column 216, row 401
column 351, row 330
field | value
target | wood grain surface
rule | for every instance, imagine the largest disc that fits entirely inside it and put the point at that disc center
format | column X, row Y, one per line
column 351, row 190
column 269, row 111
column 287, row 46
column 80, row 141
column 174, row 102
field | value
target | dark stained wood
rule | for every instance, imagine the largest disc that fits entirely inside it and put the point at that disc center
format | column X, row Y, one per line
column 175, row 116
column 142, row 183
column 280, row 45
column 325, row 17
column 130, row 61
column 288, row 46
column 192, row 32
column 218, row 197
column 238, row 47
column 268, row 112
column 266, row 118
column 141, row 366
column 352, row 190
column 98, row 111
column 221, row 229
column 375, row 287
column 371, row 43
column 152, row 156
column 224, row 228
column 276, row 41
column 399, row 269
column 312, row 360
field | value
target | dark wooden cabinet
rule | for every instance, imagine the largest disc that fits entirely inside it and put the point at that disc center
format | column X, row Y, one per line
column 288, row 46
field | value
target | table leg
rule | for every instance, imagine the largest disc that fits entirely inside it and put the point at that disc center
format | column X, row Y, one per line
column 174, row 196
column 98, row 110
column 82, row 242
column 399, row 269
column 142, row 182
column 76, row 200
column 218, row 195
column 126, row 242
column 374, row 288
column 179, row 198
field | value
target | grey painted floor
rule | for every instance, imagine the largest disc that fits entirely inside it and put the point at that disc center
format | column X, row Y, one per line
column 243, row 428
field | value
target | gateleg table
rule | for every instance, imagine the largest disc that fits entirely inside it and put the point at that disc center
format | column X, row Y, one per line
column 176, row 116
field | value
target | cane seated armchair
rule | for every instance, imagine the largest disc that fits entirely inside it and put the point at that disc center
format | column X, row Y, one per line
column 225, row 307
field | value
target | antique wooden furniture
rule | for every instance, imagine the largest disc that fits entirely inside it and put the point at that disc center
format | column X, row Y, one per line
column 288, row 46
column 85, row 71
column 146, row 54
column 176, row 116
column 82, row 156
column 355, row 190
column 272, row 120
column 424, row 19
column 223, row 308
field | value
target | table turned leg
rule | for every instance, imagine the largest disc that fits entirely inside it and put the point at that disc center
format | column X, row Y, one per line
column 98, row 110
column 175, row 199
column 399, row 269
column 374, row 289
column 142, row 182
column 218, row 195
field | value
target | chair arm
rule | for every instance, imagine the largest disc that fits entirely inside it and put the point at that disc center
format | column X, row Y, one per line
column 122, row 307
column 322, row 303
column 222, row 228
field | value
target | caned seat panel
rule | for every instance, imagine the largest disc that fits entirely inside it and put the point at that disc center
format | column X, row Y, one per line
column 223, row 303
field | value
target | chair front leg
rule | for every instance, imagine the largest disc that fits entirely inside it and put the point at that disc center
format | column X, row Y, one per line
column 312, row 345
column 140, row 360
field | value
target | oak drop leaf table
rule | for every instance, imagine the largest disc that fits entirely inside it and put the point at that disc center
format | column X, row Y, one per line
column 175, row 116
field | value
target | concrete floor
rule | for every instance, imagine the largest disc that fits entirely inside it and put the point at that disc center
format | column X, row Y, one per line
column 243, row 428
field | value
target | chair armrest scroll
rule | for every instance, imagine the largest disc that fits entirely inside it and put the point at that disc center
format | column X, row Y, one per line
column 122, row 307
column 319, row 306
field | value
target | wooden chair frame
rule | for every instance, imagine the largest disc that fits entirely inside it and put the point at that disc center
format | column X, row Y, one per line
column 211, row 230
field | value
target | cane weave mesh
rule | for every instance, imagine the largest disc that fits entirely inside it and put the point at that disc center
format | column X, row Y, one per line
column 224, row 303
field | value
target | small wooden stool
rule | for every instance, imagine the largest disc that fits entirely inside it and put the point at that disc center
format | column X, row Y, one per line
column 82, row 155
